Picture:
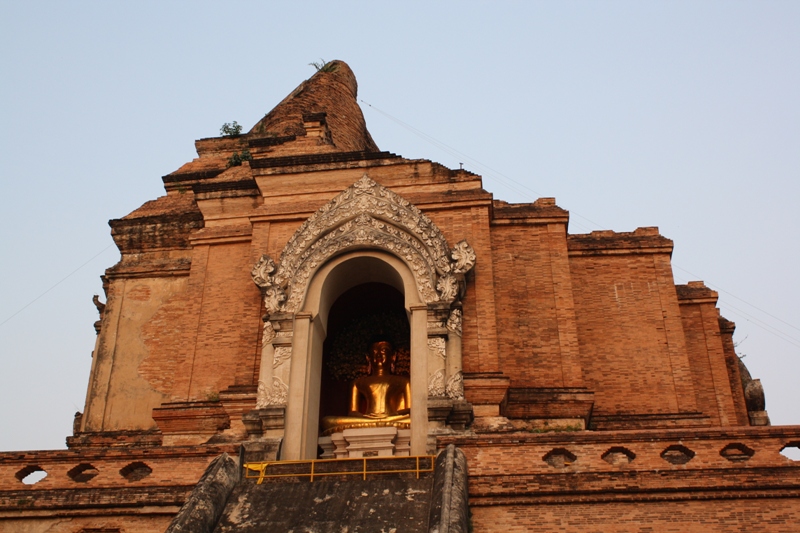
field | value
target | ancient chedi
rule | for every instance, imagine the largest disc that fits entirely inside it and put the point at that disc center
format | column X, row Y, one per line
column 586, row 390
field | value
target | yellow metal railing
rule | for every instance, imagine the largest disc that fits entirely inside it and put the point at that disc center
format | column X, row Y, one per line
column 260, row 469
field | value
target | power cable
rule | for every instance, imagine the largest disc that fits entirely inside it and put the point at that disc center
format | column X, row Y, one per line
column 716, row 287
column 526, row 192
column 508, row 182
column 57, row 284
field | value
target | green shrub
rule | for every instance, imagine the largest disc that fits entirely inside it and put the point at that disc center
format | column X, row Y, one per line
column 324, row 66
column 236, row 159
column 233, row 129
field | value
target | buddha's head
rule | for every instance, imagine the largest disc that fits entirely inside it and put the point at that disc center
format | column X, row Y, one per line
column 381, row 357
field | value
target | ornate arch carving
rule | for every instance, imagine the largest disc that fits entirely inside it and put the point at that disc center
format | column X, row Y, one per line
column 365, row 215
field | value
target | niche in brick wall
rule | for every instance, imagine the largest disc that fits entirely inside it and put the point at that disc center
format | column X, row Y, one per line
column 791, row 451
column 559, row 458
column 677, row 454
column 83, row 473
column 136, row 471
column 31, row 474
column 736, row 451
column 618, row 456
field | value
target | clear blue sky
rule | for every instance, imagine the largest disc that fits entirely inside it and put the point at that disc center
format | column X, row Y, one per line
column 681, row 115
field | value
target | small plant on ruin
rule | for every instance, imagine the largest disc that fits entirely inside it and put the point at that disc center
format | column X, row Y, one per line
column 236, row 159
column 324, row 66
column 232, row 129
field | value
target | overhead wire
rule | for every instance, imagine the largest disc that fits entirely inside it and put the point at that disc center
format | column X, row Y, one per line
column 488, row 171
column 526, row 192
column 62, row 280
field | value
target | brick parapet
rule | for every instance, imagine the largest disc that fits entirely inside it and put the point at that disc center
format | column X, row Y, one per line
column 512, row 468
column 542, row 211
column 170, row 465
column 607, row 242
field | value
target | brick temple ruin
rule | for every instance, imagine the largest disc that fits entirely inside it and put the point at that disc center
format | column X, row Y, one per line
column 585, row 390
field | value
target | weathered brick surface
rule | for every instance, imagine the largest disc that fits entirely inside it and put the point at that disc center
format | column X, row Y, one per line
column 533, row 296
column 629, row 326
column 776, row 515
column 706, row 353
column 121, row 523
column 108, row 500
column 615, row 481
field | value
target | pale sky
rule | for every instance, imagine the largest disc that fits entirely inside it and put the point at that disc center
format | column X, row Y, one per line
column 681, row 115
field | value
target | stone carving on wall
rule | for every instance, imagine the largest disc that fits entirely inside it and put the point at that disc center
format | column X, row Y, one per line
column 437, row 346
column 455, row 386
column 276, row 395
column 463, row 256
column 262, row 271
column 447, row 287
column 365, row 215
column 101, row 310
column 282, row 354
column 274, row 295
column 268, row 334
column 454, row 321
column 436, row 386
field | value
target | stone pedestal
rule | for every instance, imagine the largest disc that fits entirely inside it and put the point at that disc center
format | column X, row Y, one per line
column 370, row 442
column 339, row 446
column 326, row 443
column 402, row 444
column 367, row 442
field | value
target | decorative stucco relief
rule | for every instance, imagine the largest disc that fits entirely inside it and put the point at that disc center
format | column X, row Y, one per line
column 463, row 256
column 365, row 215
column 454, row 321
column 436, row 385
column 276, row 395
column 282, row 354
column 268, row 334
column 262, row 271
column 274, row 295
column 447, row 287
column 436, row 346
column 455, row 386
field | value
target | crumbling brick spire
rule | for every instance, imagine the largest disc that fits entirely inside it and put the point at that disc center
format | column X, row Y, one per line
column 332, row 91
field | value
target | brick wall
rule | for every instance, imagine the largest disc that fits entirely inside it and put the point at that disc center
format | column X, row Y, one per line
column 630, row 333
column 776, row 515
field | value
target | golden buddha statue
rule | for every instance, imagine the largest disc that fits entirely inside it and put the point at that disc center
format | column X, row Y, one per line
column 387, row 396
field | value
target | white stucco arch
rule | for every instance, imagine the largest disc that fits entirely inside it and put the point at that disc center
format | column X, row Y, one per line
column 310, row 328
column 365, row 233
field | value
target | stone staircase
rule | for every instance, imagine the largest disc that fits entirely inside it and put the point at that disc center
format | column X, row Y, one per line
column 397, row 494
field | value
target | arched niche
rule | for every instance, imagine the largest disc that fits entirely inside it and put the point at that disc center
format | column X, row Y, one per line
column 329, row 282
column 365, row 233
